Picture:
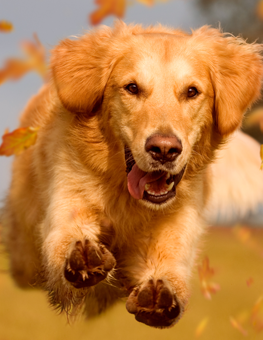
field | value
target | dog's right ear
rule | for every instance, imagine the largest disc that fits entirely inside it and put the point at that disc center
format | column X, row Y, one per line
column 81, row 69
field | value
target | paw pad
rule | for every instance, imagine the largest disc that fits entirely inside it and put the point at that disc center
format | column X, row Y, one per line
column 88, row 264
column 154, row 304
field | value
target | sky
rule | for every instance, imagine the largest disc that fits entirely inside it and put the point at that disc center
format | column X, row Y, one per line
column 56, row 20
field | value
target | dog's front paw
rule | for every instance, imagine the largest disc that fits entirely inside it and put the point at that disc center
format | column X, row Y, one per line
column 88, row 264
column 154, row 304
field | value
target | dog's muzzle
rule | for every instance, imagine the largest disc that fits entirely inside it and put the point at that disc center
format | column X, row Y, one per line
column 156, row 187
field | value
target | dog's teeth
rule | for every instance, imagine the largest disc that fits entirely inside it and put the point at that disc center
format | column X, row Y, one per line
column 151, row 192
column 170, row 186
column 167, row 176
column 147, row 187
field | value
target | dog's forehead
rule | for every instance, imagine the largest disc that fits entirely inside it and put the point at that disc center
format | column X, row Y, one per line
column 163, row 55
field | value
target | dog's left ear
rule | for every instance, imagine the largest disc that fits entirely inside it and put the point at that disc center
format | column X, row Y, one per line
column 236, row 71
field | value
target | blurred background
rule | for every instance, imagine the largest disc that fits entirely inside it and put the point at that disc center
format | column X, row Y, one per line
column 227, row 285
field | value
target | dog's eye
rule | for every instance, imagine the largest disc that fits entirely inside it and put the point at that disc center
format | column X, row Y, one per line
column 132, row 88
column 192, row 92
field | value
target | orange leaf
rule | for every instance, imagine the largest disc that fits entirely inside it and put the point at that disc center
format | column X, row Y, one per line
column 146, row 2
column 201, row 327
column 244, row 235
column 6, row 26
column 35, row 61
column 257, row 315
column 107, row 7
column 205, row 275
column 250, row 281
column 18, row 140
column 238, row 326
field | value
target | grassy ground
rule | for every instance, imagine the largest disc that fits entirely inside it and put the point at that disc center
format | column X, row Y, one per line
column 235, row 254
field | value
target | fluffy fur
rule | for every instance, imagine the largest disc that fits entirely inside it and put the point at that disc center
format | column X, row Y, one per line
column 69, row 194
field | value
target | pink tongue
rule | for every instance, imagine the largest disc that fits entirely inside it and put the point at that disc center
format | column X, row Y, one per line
column 138, row 178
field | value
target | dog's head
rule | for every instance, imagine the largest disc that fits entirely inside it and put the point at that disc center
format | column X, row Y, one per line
column 168, row 97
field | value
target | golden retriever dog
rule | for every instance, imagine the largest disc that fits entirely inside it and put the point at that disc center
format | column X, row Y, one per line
column 110, row 201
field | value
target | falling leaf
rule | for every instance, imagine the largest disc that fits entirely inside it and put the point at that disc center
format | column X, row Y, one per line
column 147, row 2
column 15, row 68
column 18, row 140
column 259, row 9
column 201, row 327
column 250, row 281
column 205, row 275
column 6, row 26
column 107, row 7
column 237, row 325
column 257, row 315
column 244, row 235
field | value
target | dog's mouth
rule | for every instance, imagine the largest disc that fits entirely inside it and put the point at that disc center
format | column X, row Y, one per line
column 156, row 187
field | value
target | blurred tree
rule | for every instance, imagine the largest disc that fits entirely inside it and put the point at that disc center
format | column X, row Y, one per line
column 235, row 16
column 239, row 17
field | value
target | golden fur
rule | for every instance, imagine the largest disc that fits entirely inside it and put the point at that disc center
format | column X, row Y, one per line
column 71, row 185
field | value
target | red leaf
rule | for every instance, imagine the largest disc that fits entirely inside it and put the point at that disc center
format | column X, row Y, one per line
column 205, row 275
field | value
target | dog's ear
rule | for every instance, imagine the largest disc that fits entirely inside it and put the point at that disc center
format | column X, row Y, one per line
column 236, row 72
column 81, row 68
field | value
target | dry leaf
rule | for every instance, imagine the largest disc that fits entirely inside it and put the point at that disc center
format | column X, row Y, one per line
column 15, row 68
column 237, row 325
column 244, row 235
column 18, row 140
column 6, row 26
column 250, row 281
column 205, row 275
column 257, row 315
column 108, row 7
column 201, row 327
column 146, row 2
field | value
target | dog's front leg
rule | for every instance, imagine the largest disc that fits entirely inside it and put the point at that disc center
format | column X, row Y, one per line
column 73, row 257
column 160, row 281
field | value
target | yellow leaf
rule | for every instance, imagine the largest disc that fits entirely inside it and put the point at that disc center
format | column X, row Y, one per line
column 201, row 327
column 18, row 140
column 6, row 26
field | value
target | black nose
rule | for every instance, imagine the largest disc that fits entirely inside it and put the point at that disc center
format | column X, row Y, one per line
column 163, row 148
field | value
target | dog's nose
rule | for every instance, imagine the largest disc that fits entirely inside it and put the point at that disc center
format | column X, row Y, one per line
column 163, row 148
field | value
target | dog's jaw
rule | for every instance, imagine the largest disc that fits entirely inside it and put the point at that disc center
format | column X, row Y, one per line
column 155, row 189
